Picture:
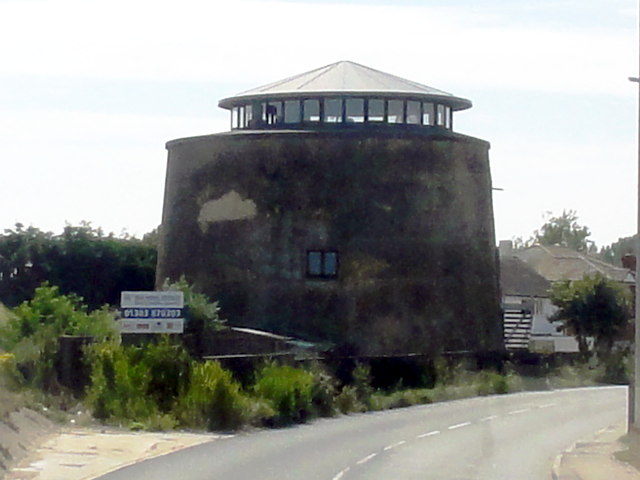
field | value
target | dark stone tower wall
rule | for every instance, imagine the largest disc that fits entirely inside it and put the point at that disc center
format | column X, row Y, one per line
column 410, row 215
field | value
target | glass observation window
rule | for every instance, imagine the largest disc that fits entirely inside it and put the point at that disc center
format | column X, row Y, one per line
column 248, row 115
column 235, row 117
column 376, row 110
column 241, row 116
column 332, row 110
column 272, row 113
column 440, row 115
column 395, row 111
column 413, row 112
column 292, row 111
column 311, row 111
column 354, row 110
column 447, row 117
column 427, row 113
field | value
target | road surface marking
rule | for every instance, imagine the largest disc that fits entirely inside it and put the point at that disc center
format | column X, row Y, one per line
column 459, row 425
column 547, row 405
column 394, row 445
column 515, row 412
column 429, row 434
column 366, row 459
column 341, row 474
column 489, row 418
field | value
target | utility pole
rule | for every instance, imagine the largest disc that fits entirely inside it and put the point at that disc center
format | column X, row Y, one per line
column 634, row 414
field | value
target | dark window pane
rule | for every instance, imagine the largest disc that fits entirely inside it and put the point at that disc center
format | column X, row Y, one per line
column 376, row 110
column 355, row 110
column 330, row 264
column 311, row 111
column 314, row 263
column 333, row 110
column 292, row 111
column 427, row 113
column 413, row 112
column 396, row 111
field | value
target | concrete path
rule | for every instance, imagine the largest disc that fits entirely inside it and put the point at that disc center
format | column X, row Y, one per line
column 82, row 454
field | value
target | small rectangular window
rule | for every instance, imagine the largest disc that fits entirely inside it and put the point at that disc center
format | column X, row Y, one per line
column 354, row 109
column 447, row 117
column 311, row 111
column 322, row 264
column 332, row 110
column 376, row 110
column 427, row 113
column 413, row 112
column 396, row 111
column 292, row 111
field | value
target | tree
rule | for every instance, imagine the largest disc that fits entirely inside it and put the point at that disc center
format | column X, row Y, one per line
column 614, row 252
column 81, row 260
column 592, row 307
column 564, row 230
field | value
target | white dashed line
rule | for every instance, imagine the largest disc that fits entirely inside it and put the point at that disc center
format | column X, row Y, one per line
column 429, row 434
column 515, row 412
column 489, row 418
column 547, row 405
column 459, row 425
column 341, row 474
column 394, row 445
column 366, row 459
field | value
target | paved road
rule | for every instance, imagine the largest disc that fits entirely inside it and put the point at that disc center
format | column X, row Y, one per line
column 512, row 437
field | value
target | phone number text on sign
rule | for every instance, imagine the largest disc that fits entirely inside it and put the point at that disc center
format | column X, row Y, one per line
column 173, row 313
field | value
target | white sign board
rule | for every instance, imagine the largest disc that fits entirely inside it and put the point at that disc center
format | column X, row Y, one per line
column 152, row 312
column 151, row 326
column 152, row 299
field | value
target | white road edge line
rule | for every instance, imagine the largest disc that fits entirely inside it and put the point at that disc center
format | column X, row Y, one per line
column 341, row 474
column 459, row 425
column 366, row 459
column 429, row 434
column 515, row 412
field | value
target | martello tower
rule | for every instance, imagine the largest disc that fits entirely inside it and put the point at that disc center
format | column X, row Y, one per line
column 340, row 207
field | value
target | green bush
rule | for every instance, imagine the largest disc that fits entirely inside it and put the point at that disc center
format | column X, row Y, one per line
column 489, row 383
column 215, row 399
column 324, row 391
column 347, row 401
column 288, row 389
column 32, row 332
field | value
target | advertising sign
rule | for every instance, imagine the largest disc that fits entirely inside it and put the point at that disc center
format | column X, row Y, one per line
column 152, row 312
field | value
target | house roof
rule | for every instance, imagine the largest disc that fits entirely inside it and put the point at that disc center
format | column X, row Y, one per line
column 557, row 263
column 346, row 77
column 518, row 278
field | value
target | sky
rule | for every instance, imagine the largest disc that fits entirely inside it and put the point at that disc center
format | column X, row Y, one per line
column 91, row 90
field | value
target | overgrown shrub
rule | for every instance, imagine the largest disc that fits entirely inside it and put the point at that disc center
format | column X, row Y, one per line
column 288, row 389
column 32, row 332
column 213, row 399
column 347, row 401
column 323, row 392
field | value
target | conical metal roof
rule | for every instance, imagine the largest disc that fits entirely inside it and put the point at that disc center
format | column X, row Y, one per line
column 346, row 78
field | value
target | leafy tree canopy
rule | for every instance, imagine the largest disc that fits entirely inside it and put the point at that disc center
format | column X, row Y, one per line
column 564, row 230
column 592, row 307
column 614, row 252
column 81, row 260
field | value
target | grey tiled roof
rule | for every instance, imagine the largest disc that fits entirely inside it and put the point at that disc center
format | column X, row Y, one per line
column 557, row 263
column 517, row 278
column 347, row 77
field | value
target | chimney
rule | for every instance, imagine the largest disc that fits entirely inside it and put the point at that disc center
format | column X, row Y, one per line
column 505, row 248
column 629, row 261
